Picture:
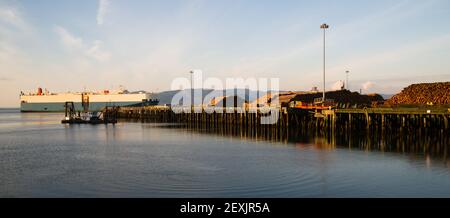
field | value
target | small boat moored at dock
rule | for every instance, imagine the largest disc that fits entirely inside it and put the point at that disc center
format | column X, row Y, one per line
column 72, row 117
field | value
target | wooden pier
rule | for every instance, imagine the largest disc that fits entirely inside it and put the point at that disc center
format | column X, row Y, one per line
column 385, row 129
column 369, row 118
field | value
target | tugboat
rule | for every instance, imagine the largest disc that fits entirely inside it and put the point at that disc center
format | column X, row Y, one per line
column 86, row 117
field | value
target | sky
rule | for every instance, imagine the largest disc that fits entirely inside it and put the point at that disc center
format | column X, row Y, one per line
column 74, row 45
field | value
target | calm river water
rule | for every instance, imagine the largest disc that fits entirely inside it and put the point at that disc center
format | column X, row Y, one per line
column 39, row 157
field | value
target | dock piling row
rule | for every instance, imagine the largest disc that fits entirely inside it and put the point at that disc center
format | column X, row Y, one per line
column 338, row 119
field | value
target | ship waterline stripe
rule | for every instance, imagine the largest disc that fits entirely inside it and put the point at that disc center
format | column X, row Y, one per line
column 77, row 98
column 59, row 102
column 59, row 106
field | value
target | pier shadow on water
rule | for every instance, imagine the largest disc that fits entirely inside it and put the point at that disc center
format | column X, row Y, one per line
column 426, row 142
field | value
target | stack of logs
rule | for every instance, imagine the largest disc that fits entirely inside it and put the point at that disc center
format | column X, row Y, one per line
column 422, row 94
column 342, row 96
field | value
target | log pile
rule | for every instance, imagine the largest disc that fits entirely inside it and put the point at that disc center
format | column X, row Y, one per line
column 423, row 94
column 342, row 96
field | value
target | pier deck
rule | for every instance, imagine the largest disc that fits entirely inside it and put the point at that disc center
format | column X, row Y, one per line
column 412, row 118
column 405, row 111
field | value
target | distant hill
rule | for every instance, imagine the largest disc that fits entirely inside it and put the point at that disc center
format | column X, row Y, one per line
column 387, row 96
column 166, row 96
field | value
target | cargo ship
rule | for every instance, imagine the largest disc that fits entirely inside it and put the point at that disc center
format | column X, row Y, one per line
column 44, row 101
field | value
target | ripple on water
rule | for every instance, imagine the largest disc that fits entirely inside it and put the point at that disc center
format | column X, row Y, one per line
column 41, row 158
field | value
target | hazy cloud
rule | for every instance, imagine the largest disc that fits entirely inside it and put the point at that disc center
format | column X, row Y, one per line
column 5, row 79
column 68, row 40
column 76, row 44
column 12, row 17
column 96, row 52
column 103, row 8
column 337, row 85
column 367, row 85
column 382, row 55
column 398, row 12
column 15, row 34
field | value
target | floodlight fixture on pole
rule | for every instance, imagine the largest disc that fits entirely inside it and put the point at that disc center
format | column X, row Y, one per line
column 192, row 90
column 346, row 82
column 324, row 27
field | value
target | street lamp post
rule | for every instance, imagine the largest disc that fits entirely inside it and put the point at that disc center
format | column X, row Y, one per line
column 346, row 82
column 324, row 27
column 192, row 91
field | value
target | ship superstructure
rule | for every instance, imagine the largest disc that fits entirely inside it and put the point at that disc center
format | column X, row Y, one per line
column 44, row 101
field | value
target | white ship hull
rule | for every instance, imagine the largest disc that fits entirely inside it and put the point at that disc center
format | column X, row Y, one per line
column 55, row 103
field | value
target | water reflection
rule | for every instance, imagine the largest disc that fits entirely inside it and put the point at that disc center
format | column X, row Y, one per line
column 422, row 142
column 48, row 159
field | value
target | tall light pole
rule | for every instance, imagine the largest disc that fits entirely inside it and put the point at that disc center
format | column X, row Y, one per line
column 192, row 90
column 346, row 82
column 324, row 27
